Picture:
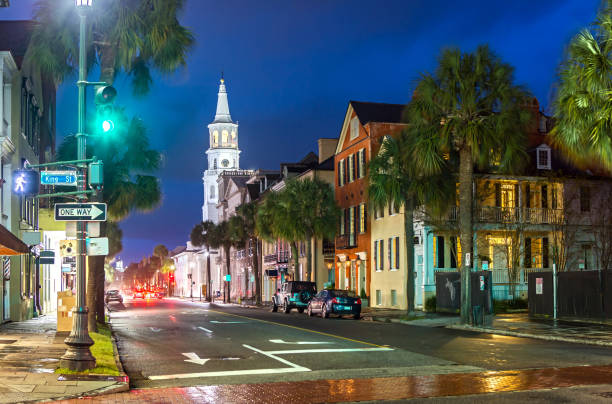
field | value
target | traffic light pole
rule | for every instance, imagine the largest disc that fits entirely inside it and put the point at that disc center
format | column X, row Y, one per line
column 78, row 356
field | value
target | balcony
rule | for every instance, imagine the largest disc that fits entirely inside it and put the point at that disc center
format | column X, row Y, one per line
column 329, row 248
column 496, row 214
column 282, row 257
column 346, row 241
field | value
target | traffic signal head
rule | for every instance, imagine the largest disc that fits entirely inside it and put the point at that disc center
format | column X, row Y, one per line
column 104, row 97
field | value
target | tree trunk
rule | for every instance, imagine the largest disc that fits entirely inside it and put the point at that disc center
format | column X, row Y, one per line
column 296, row 261
column 227, row 272
column 409, row 231
column 208, row 280
column 466, row 167
column 256, row 272
column 309, row 262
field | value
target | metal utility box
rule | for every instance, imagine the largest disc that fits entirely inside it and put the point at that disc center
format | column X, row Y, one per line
column 96, row 173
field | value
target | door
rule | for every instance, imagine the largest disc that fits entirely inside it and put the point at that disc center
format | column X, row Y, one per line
column 353, row 276
column 6, row 312
column 499, row 257
column 362, row 277
column 418, row 284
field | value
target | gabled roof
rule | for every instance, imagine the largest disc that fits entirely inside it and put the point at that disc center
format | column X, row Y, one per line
column 15, row 37
column 178, row 250
column 378, row 112
column 369, row 112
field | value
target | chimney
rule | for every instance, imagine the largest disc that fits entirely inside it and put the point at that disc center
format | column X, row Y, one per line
column 327, row 148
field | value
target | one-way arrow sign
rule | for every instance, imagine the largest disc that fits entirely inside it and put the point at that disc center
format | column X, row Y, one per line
column 80, row 212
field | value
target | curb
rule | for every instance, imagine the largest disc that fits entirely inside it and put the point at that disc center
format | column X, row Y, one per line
column 527, row 335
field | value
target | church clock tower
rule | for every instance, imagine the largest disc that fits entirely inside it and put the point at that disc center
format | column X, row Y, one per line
column 223, row 153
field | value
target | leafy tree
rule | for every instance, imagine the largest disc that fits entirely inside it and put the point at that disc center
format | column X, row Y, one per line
column 133, row 37
column 582, row 108
column 469, row 108
column 200, row 236
column 394, row 179
column 160, row 251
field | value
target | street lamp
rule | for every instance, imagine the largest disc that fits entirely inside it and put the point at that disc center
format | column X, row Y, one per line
column 78, row 356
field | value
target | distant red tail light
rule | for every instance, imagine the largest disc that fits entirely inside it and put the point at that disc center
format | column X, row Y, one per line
column 358, row 301
column 335, row 301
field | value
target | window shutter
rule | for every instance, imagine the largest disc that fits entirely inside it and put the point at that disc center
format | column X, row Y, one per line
column 397, row 252
column 527, row 196
column 365, row 218
column 382, row 254
column 544, row 197
column 497, row 194
column 376, row 254
column 344, row 165
column 440, row 252
column 527, row 252
column 545, row 256
column 340, row 173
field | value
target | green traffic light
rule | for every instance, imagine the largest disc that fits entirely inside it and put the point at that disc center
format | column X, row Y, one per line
column 108, row 125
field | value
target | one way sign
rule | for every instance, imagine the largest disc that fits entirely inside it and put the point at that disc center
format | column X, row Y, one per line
column 81, row 212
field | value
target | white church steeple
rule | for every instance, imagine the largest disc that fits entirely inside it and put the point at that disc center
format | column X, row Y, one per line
column 223, row 153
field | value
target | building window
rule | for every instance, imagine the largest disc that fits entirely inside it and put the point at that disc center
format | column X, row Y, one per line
column 438, row 251
column 224, row 138
column 342, row 222
column 341, row 173
column 214, row 164
column 361, row 163
column 393, row 297
column 376, row 255
column 362, row 218
column 543, row 157
column 586, row 256
column 215, row 138
column 379, row 254
column 392, row 208
column 585, row 199
column 553, row 197
column 378, row 297
column 393, row 253
column 544, row 197
column 352, row 225
column 351, row 168
column 527, row 253
column 354, row 128
column 379, row 213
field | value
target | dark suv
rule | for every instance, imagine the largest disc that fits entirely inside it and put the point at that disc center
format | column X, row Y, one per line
column 294, row 294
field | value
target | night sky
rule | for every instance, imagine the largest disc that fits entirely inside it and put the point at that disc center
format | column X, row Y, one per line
column 292, row 66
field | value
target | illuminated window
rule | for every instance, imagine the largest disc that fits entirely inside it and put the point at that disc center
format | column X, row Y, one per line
column 342, row 221
column 362, row 218
column 351, row 168
column 215, row 138
column 341, row 173
column 224, row 136
column 361, row 163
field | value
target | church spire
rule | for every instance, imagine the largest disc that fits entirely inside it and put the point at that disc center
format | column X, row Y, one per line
column 223, row 113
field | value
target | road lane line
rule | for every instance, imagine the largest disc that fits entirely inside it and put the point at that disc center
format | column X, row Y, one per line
column 299, row 351
column 280, row 341
column 205, row 329
column 291, row 369
column 297, row 328
column 227, row 322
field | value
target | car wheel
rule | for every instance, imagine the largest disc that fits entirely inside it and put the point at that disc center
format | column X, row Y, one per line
column 300, row 310
column 274, row 308
column 324, row 313
column 310, row 313
column 286, row 308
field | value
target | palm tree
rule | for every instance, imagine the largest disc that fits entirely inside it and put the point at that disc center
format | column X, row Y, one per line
column 317, row 213
column 582, row 108
column 133, row 37
column 247, row 214
column 200, row 236
column 395, row 180
column 469, row 107
column 124, row 191
column 221, row 236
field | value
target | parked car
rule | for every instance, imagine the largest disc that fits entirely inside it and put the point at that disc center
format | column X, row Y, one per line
column 294, row 294
column 335, row 301
column 113, row 296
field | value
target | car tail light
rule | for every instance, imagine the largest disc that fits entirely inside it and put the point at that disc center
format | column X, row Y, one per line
column 335, row 301
column 358, row 301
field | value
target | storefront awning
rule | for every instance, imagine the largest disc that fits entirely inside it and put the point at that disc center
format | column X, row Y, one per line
column 10, row 244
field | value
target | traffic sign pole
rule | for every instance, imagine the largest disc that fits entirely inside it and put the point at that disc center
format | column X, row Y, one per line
column 78, row 354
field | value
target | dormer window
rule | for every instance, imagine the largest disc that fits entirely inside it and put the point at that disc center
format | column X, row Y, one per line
column 543, row 157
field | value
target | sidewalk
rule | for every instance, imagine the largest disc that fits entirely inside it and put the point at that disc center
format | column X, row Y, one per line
column 520, row 325
column 30, row 353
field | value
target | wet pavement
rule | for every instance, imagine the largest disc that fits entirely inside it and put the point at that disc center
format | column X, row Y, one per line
column 29, row 354
column 553, row 330
column 391, row 388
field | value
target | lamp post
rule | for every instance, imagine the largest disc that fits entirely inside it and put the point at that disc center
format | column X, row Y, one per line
column 78, row 355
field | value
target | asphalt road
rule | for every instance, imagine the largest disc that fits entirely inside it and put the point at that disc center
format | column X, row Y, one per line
column 164, row 343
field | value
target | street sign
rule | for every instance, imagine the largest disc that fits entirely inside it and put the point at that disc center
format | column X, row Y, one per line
column 80, row 212
column 47, row 257
column 67, row 177
column 97, row 246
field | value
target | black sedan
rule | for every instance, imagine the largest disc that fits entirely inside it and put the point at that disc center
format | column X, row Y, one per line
column 335, row 301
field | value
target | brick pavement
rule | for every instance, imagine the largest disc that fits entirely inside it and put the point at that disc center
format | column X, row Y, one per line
column 390, row 388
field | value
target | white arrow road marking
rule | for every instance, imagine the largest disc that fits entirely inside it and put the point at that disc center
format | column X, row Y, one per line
column 194, row 358
column 95, row 212
column 205, row 329
column 280, row 341
column 291, row 369
column 227, row 322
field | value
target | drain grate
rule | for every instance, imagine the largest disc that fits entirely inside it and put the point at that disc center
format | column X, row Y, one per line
column 7, row 341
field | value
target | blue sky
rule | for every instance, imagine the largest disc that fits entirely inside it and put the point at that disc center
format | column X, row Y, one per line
column 292, row 66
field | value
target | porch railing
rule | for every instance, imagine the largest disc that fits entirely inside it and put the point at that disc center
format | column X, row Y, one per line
column 496, row 214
